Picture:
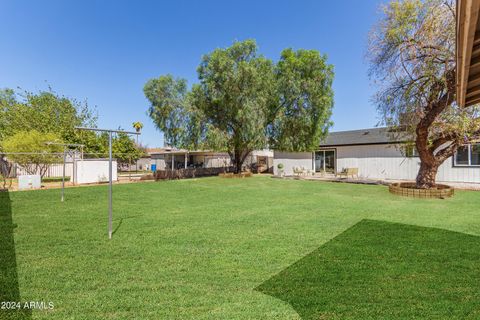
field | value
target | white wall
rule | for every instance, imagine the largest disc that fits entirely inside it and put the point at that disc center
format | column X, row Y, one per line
column 54, row 170
column 378, row 162
column 160, row 162
column 216, row 161
column 290, row 160
column 262, row 153
column 387, row 162
column 94, row 171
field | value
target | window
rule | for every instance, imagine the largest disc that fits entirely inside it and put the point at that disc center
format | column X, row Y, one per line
column 475, row 155
column 468, row 155
column 410, row 151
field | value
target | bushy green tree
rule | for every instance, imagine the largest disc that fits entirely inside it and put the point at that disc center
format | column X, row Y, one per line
column 125, row 150
column 244, row 101
column 30, row 149
column 47, row 112
column 304, row 101
column 169, row 108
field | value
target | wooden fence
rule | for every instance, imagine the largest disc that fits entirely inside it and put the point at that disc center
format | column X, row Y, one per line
column 190, row 173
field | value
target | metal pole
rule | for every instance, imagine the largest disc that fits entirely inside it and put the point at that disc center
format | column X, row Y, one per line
column 74, row 172
column 110, row 185
column 63, row 176
column 130, row 168
column 110, row 132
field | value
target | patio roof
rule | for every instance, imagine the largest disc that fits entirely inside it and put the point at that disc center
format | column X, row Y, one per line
column 468, row 52
column 183, row 152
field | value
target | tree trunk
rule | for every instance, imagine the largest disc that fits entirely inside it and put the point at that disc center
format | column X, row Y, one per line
column 427, row 175
column 238, row 159
column 238, row 166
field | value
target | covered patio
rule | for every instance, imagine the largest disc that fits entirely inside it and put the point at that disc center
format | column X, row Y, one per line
column 184, row 159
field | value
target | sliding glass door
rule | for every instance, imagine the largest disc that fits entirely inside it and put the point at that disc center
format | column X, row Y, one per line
column 325, row 161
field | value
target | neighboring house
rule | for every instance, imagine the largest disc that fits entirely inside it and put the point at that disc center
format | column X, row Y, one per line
column 378, row 154
column 168, row 158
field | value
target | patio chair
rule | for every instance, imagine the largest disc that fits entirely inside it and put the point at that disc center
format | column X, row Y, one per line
column 306, row 171
column 346, row 172
column 297, row 171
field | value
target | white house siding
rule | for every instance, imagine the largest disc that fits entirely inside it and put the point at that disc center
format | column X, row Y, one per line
column 381, row 161
column 387, row 162
column 290, row 160
column 377, row 162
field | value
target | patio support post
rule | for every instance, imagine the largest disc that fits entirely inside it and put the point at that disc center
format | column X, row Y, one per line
column 185, row 160
column 313, row 161
column 173, row 161
column 324, row 162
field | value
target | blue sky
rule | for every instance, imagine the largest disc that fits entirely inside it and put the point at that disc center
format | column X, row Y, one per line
column 105, row 51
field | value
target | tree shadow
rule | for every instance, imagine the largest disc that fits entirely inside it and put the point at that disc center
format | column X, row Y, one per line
column 9, row 288
column 381, row 270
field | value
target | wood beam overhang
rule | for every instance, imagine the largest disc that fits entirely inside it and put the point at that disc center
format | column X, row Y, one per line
column 468, row 52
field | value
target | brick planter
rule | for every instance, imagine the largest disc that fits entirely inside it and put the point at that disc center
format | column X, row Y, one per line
column 408, row 189
column 236, row 175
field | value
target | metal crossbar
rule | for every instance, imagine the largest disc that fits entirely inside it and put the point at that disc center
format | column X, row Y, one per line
column 110, row 182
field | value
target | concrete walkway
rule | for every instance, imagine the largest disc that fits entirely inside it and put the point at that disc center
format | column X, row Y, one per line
column 386, row 182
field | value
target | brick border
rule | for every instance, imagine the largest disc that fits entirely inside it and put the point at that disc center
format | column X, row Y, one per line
column 405, row 189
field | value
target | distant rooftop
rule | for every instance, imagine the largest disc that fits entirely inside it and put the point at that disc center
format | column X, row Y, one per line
column 362, row 137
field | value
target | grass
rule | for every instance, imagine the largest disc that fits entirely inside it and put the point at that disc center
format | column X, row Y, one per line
column 381, row 270
column 198, row 249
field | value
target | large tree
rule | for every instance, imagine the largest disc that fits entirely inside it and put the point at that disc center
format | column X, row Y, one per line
column 47, row 112
column 303, row 101
column 244, row 101
column 412, row 55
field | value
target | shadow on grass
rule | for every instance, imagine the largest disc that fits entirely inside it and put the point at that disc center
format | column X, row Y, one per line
column 9, row 290
column 381, row 270
column 121, row 222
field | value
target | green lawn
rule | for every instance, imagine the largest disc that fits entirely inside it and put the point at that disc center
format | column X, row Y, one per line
column 240, row 249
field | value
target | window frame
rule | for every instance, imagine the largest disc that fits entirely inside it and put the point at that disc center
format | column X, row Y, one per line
column 469, row 146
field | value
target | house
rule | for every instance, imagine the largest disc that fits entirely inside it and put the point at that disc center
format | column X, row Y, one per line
column 171, row 158
column 379, row 154
column 168, row 158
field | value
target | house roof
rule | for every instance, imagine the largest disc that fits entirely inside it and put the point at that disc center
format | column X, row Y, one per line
column 157, row 150
column 363, row 137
